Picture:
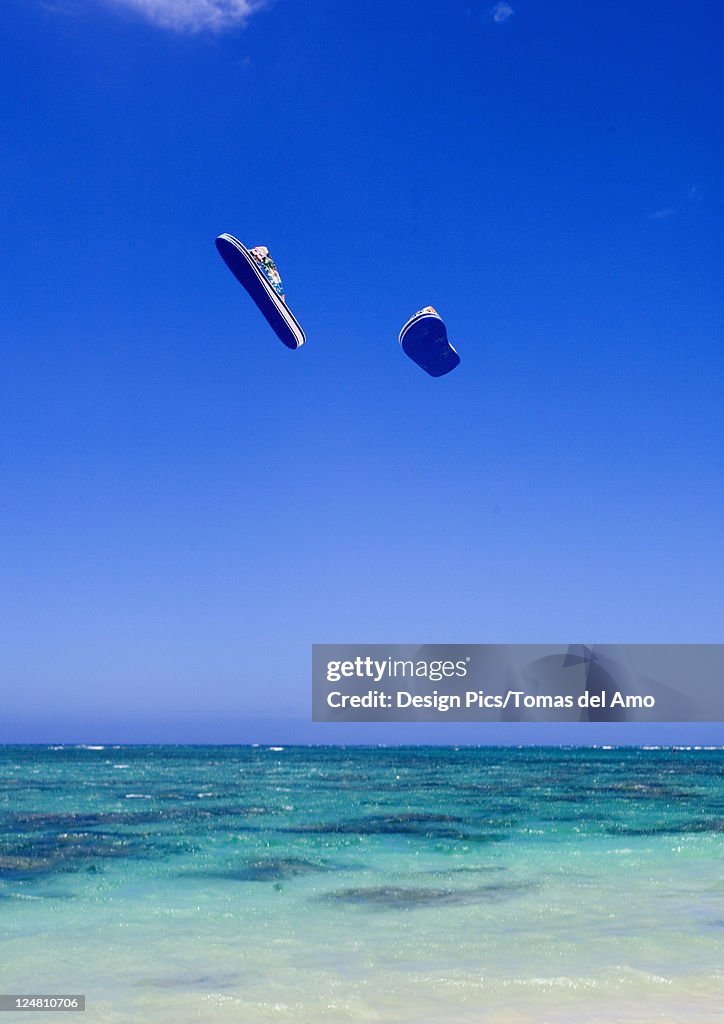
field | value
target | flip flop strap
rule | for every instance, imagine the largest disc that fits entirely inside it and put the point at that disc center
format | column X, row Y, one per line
column 269, row 268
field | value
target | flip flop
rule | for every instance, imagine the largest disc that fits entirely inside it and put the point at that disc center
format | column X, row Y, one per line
column 424, row 340
column 257, row 272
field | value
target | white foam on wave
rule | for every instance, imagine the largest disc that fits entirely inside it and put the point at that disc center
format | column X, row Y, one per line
column 559, row 981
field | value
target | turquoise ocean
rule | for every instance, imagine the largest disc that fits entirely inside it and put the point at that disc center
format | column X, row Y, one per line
column 407, row 885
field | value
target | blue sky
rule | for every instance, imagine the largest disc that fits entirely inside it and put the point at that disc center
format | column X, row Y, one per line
column 187, row 506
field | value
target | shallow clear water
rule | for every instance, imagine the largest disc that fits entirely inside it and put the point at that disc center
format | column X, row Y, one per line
column 410, row 885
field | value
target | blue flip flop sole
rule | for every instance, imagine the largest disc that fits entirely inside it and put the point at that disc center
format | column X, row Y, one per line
column 424, row 340
column 244, row 267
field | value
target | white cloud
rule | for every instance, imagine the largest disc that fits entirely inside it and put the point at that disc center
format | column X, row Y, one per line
column 193, row 15
column 501, row 12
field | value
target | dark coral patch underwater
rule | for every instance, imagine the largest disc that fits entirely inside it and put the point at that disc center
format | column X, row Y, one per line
column 392, row 897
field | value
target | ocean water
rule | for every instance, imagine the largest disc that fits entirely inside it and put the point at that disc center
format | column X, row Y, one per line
column 406, row 885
